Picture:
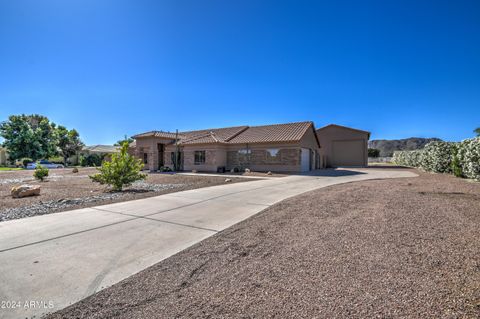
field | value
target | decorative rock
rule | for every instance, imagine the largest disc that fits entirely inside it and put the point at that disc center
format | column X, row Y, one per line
column 269, row 173
column 247, row 170
column 228, row 180
column 194, row 171
column 75, row 170
column 25, row 190
column 232, row 170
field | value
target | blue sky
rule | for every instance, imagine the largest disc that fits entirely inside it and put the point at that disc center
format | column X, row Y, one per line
column 110, row 68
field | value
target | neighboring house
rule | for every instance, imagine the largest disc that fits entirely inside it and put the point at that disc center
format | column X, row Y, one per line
column 343, row 146
column 105, row 151
column 3, row 156
column 291, row 147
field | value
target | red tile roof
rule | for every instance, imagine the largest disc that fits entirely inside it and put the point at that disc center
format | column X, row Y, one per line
column 290, row 132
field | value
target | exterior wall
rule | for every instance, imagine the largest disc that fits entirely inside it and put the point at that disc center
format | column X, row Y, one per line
column 330, row 134
column 215, row 156
column 149, row 146
column 258, row 161
column 309, row 141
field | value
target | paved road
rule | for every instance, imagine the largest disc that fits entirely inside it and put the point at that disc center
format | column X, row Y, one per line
column 58, row 259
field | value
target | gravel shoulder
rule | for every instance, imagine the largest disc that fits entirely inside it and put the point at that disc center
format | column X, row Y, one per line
column 65, row 190
column 381, row 248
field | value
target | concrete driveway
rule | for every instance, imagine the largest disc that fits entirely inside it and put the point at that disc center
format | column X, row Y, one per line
column 48, row 262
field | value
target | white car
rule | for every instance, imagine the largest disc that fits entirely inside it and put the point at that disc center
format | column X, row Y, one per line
column 45, row 164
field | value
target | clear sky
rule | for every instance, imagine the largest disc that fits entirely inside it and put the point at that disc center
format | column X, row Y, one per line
column 110, row 68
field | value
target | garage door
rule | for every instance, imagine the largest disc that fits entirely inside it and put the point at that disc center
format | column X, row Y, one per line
column 305, row 159
column 348, row 153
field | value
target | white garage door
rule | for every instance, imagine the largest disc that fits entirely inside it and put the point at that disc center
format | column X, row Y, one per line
column 348, row 153
column 305, row 159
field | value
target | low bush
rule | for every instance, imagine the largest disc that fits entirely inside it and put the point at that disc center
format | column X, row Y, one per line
column 407, row 158
column 91, row 160
column 40, row 172
column 164, row 169
column 373, row 152
column 26, row 160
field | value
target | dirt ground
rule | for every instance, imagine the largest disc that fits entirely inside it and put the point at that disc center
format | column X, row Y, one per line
column 63, row 184
column 406, row 248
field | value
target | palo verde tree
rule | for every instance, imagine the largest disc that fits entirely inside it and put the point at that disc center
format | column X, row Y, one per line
column 121, row 171
column 32, row 136
column 69, row 142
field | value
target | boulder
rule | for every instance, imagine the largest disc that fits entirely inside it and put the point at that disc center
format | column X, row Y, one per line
column 228, row 180
column 194, row 171
column 25, row 190
column 247, row 170
column 269, row 173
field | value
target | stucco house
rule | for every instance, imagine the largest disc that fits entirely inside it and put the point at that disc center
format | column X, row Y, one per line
column 291, row 147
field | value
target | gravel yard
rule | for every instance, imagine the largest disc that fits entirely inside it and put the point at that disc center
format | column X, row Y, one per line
column 382, row 248
column 65, row 190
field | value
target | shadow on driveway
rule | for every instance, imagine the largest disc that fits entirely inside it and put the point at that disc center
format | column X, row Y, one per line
column 333, row 172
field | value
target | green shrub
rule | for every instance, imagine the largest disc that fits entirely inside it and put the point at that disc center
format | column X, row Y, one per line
column 40, row 172
column 456, row 167
column 165, row 169
column 373, row 152
column 437, row 157
column 91, row 160
column 408, row 158
column 26, row 160
column 121, row 171
column 468, row 154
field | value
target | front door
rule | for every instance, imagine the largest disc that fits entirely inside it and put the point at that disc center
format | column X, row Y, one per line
column 305, row 160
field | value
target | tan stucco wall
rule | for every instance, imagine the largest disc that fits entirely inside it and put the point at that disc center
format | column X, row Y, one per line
column 330, row 134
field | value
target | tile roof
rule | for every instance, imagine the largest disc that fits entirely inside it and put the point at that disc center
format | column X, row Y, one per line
column 344, row 127
column 289, row 132
column 101, row 148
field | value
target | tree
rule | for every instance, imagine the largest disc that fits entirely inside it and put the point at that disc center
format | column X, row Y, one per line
column 129, row 140
column 32, row 136
column 477, row 131
column 121, row 171
column 373, row 152
column 69, row 142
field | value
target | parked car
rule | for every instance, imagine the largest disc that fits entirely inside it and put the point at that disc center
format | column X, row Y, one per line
column 44, row 163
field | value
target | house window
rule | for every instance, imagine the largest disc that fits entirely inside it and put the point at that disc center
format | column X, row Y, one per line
column 272, row 155
column 244, row 156
column 199, row 157
column 145, row 158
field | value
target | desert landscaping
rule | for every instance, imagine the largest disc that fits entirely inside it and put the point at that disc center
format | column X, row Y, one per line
column 64, row 190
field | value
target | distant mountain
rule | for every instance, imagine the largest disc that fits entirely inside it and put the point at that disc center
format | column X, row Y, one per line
column 387, row 147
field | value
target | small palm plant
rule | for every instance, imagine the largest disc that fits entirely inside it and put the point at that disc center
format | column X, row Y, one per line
column 121, row 171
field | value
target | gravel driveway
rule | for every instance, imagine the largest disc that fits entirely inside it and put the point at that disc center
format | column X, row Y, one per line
column 381, row 248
